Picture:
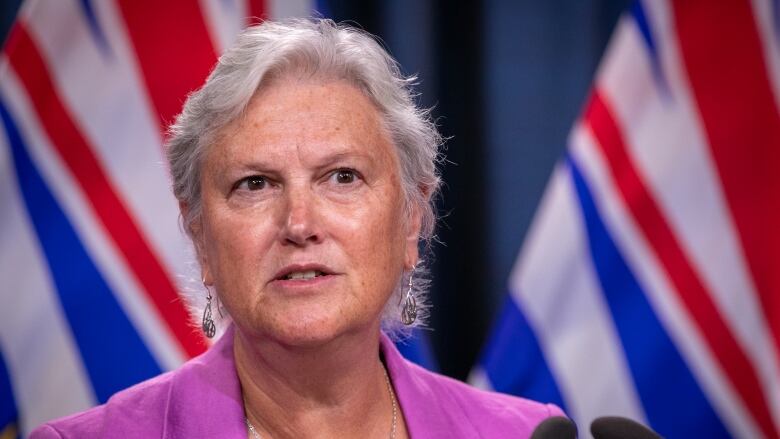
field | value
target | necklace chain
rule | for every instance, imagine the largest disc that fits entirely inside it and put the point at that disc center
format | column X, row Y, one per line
column 252, row 430
column 392, row 400
column 256, row 435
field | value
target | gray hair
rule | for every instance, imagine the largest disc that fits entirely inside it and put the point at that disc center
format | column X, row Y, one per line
column 323, row 50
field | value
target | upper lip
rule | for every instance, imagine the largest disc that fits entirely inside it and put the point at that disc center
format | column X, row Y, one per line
column 292, row 268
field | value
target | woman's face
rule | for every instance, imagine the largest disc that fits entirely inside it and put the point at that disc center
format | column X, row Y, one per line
column 303, row 232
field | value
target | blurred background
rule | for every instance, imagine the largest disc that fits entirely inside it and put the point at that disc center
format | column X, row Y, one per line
column 612, row 250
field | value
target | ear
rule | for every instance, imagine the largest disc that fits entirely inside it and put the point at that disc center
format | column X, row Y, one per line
column 413, row 227
column 198, row 241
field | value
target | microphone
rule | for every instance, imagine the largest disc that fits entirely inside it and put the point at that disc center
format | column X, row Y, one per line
column 616, row 427
column 555, row 427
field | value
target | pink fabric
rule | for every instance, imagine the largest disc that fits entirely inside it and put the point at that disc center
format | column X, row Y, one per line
column 203, row 399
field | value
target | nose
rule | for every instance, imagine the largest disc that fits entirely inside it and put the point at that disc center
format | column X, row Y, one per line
column 301, row 224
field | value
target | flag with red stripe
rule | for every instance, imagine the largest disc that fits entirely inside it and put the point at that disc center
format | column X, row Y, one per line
column 92, row 254
column 649, row 284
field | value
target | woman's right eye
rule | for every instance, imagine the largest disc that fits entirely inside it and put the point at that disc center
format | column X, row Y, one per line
column 253, row 183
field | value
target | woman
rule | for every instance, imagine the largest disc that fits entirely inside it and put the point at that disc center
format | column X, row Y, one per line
column 304, row 174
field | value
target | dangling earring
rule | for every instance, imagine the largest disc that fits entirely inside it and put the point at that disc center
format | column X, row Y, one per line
column 409, row 311
column 207, row 324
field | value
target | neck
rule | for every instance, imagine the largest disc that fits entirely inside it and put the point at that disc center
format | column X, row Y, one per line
column 337, row 389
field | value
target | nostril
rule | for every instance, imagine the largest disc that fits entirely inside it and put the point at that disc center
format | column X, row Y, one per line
column 301, row 223
column 300, row 235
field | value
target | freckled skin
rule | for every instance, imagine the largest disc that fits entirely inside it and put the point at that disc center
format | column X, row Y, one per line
column 296, row 135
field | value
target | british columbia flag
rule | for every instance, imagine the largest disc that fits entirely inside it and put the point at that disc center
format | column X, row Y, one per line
column 91, row 253
column 649, row 283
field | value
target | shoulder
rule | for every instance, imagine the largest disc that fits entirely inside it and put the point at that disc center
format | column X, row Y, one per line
column 135, row 412
column 489, row 413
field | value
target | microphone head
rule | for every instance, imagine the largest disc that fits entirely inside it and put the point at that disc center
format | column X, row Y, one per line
column 616, row 427
column 555, row 427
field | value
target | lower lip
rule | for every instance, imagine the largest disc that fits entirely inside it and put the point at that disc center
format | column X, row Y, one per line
column 302, row 284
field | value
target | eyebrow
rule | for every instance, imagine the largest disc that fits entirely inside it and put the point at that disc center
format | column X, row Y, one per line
column 269, row 166
column 342, row 156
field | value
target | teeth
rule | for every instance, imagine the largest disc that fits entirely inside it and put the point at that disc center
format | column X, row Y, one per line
column 311, row 274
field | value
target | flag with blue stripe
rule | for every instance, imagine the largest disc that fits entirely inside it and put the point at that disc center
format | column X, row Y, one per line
column 647, row 286
column 92, row 257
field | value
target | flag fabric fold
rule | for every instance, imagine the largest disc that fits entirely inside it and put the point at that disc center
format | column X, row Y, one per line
column 648, row 284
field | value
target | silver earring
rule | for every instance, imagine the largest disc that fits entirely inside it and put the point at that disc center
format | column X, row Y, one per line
column 207, row 324
column 409, row 310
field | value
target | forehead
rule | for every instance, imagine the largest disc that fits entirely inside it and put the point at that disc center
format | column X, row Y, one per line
column 313, row 118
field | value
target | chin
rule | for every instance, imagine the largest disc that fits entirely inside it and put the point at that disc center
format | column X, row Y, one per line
column 310, row 330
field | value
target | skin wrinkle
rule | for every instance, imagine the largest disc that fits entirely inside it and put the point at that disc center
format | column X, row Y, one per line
column 307, row 358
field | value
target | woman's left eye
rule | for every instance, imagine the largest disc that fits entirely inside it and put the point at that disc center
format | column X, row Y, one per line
column 344, row 176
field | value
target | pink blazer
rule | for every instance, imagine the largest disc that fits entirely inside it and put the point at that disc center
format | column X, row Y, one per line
column 202, row 398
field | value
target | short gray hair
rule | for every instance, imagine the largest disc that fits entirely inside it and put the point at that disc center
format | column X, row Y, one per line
column 318, row 49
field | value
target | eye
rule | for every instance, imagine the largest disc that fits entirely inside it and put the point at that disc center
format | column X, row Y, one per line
column 252, row 183
column 345, row 176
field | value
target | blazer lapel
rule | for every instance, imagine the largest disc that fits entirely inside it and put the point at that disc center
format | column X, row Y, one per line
column 205, row 396
column 429, row 411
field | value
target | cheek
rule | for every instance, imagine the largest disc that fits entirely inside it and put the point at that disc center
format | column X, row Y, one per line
column 375, row 237
column 236, row 242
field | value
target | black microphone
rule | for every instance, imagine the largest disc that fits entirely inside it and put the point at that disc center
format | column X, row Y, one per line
column 555, row 427
column 616, row 427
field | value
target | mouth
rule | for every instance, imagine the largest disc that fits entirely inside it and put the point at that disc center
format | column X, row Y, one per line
column 302, row 272
column 303, row 275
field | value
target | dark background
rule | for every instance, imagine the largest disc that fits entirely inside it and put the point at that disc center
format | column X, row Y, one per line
column 507, row 79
